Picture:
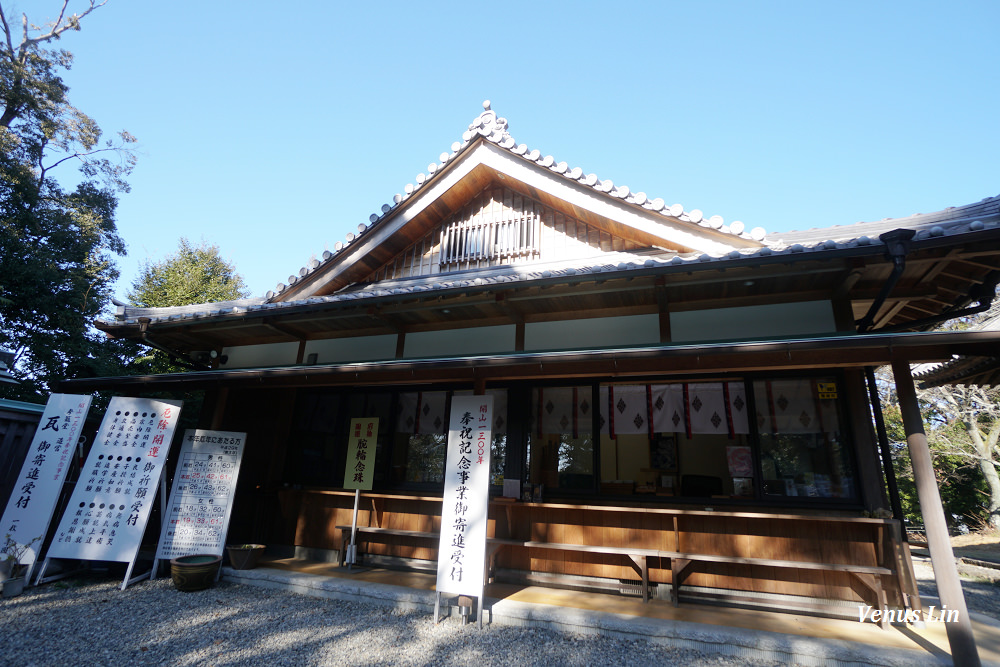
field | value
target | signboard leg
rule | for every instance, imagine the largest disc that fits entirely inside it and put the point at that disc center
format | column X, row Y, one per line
column 437, row 607
column 41, row 572
column 352, row 549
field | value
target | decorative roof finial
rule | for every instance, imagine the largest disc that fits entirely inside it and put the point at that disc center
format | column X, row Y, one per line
column 489, row 124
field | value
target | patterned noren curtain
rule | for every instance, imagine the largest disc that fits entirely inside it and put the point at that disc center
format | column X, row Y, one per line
column 788, row 406
column 423, row 412
column 564, row 410
column 703, row 407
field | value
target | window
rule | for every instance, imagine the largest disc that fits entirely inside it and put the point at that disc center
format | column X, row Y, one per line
column 679, row 439
column 802, row 447
column 560, row 441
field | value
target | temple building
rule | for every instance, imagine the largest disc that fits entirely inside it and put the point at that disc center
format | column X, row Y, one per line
column 683, row 406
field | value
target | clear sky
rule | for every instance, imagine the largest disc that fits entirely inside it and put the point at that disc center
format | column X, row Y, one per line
column 274, row 129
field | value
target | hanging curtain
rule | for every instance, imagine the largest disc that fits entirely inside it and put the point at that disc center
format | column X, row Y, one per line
column 789, row 406
column 423, row 412
column 668, row 408
column 631, row 410
column 564, row 410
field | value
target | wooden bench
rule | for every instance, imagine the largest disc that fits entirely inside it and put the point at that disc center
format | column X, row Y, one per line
column 869, row 576
column 372, row 533
column 638, row 557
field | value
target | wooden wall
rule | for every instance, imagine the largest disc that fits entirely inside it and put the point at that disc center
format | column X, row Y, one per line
column 815, row 538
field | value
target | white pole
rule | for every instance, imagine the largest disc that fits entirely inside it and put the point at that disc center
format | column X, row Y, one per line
column 352, row 549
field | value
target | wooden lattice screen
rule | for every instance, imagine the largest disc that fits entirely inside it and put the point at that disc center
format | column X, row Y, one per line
column 499, row 226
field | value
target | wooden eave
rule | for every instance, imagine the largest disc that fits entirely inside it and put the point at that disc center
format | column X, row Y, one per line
column 937, row 278
column 484, row 165
column 835, row 352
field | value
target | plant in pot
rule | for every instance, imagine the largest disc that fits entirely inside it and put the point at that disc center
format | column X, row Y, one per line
column 244, row 556
column 11, row 570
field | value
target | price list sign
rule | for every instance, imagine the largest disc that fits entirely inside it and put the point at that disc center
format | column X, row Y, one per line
column 201, row 499
column 107, row 513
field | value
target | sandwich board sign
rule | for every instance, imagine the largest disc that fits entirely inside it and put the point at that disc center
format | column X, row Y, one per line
column 29, row 510
column 201, row 498
column 110, row 506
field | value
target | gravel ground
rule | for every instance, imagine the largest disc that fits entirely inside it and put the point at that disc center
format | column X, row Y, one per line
column 981, row 586
column 88, row 621
column 91, row 622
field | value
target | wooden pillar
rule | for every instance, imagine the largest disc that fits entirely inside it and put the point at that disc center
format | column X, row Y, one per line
column 963, row 644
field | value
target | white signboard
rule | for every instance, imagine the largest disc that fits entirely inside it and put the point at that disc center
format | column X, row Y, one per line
column 34, row 497
column 107, row 513
column 201, row 499
column 462, row 549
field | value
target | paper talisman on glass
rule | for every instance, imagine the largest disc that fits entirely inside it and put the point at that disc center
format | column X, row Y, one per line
column 462, row 547
column 361, row 444
column 29, row 510
column 201, row 498
column 107, row 513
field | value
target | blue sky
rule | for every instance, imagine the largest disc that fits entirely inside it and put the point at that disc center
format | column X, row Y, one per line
column 274, row 129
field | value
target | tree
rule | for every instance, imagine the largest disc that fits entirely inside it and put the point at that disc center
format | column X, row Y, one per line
column 193, row 274
column 963, row 431
column 57, row 247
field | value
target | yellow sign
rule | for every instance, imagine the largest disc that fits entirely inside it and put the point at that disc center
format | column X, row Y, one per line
column 826, row 390
column 359, row 471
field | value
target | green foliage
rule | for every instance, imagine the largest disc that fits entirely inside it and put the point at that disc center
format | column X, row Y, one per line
column 58, row 247
column 193, row 274
column 962, row 424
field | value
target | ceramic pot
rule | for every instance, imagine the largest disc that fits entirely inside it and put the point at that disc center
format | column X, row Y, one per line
column 13, row 587
column 194, row 573
column 244, row 556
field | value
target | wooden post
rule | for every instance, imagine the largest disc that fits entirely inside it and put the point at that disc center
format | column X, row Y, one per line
column 963, row 644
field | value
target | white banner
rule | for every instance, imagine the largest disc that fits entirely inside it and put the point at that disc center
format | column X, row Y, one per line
column 462, row 547
column 201, row 498
column 34, row 497
column 107, row 513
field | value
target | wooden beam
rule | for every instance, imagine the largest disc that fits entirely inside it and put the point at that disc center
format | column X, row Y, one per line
column 963, row 644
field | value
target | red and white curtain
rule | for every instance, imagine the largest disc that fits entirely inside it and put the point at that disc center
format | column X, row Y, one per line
column 793, row 406
column 564, row 410
column 423, row 412
column 702, row 407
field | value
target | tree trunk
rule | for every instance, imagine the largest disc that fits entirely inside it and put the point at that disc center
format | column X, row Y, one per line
column 989, row 470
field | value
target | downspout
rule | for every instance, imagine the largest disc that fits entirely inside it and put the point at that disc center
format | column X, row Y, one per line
column 897, row 245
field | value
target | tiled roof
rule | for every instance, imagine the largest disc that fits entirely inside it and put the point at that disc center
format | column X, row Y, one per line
column 493, row 128
column 861, row 236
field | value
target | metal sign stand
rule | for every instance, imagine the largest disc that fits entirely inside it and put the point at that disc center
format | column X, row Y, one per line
column 352, row 548
column 163, row 517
